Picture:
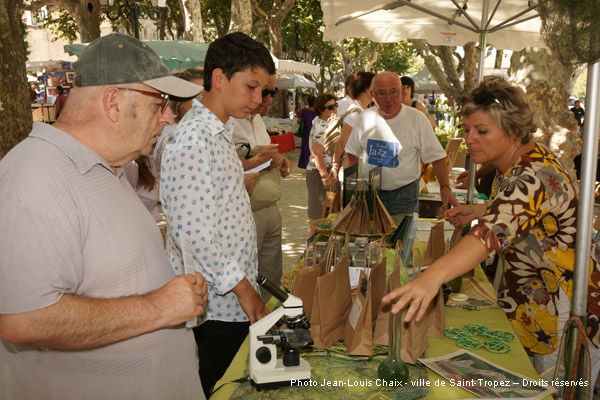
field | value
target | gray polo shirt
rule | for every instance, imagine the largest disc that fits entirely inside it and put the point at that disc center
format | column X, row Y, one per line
column 71, row 225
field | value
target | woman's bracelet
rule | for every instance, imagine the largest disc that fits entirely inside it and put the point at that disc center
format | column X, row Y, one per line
column 445, row 185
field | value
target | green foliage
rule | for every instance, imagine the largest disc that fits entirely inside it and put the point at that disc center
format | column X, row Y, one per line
column 215, row 18
column 61, row 25
column 24, row 35
column 395, row 57
column 453, row 129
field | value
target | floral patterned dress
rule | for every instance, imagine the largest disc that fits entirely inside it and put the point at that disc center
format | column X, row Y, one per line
column 530, row 222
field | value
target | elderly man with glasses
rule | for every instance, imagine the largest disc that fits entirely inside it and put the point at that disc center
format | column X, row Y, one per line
column 251, row 137
column 396, row 137
column 89, row 306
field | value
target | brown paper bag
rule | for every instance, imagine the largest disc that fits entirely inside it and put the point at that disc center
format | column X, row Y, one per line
column 436, row 245
column 345, row 217
column 326, row 316
column 304, row 287
column 382, row 323
column 331, row 204
column 358, row 331
column 378, row 283
column 325, row 266
column 436, row 318
column 360, row 222
column 332, row 298
column 344, row 290
column 413, row 339
column 382, row 220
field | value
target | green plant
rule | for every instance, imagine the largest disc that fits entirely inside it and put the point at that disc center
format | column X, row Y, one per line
column 453, row 129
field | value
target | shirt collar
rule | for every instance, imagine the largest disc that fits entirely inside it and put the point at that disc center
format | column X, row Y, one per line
column 212, row 122
column 82, row 156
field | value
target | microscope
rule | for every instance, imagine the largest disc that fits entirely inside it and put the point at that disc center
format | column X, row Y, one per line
column 266, row 370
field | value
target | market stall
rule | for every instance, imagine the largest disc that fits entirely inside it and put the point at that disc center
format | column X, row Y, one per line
column 335, row 374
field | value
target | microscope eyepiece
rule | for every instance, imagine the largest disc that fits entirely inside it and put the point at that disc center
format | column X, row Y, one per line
column 271, row 288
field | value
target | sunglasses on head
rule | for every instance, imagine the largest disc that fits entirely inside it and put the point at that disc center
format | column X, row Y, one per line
column 486, row 99
column 267, row 92
column 164, row 97
column 331, row 107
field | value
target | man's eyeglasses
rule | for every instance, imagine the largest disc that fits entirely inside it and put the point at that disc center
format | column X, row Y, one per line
column 331, row 106
column 486, row 99
column 163, row 96
column 267, row 92
column 383, row 93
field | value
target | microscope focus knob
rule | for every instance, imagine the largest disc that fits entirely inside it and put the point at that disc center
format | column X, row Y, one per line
column 263, row 355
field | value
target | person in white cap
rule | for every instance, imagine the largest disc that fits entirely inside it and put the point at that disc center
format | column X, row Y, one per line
column 89, row 305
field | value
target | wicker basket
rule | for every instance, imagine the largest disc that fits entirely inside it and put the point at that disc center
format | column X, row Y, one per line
column 322, row 225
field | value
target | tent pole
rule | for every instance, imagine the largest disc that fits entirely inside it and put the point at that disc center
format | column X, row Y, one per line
column 585, row 212
column 482, row 44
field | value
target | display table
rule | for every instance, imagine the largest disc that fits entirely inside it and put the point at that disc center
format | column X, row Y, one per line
column 43, row 112
column 516, row 360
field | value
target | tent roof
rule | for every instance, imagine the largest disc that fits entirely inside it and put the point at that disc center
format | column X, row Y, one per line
column 294, row 81
column 295, row 67
column 176, row 54
column 440, row 22
column 182, row 54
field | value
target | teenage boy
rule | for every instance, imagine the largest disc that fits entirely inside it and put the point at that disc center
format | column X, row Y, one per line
column 206, row 204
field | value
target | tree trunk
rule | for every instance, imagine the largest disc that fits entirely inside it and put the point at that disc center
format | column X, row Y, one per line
column 498, row 60
column 274, row 21
column 195, row 15
column 543, row 77
column 241, row 16
column 15, row 103
column 86, row 14
column 470, row 66
column 423, row 48
column 346, row 59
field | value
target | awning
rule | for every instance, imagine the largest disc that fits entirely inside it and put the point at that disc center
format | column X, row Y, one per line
column 294, row 81
column 176, row 54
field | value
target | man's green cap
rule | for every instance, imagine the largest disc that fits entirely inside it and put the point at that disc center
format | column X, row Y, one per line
column 119, row 58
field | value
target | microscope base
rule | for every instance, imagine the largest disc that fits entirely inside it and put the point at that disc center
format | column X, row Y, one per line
column 280, row 375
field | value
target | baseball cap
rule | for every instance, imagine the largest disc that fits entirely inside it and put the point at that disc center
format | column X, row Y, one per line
column 119, row 58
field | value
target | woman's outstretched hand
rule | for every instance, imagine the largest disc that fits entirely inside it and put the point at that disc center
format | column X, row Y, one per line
column 415, row 296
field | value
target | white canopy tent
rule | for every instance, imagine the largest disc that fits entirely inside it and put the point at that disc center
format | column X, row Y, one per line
column 440, row 22
column 424, row 81
column 295, row 67
column 293, row 81
column 508, row 25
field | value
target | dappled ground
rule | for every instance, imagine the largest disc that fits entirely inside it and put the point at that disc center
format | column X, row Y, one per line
column 293, row 206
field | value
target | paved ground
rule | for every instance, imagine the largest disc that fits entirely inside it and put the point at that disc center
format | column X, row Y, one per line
column 293, row 207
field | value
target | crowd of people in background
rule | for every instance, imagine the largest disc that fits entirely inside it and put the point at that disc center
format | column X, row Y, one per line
column 108, row 297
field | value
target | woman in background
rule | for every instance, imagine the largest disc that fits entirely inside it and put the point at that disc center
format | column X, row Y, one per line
column 318, row 180
column 61, row 99
column 408, row 92
column 361, row 88
column 306, row 116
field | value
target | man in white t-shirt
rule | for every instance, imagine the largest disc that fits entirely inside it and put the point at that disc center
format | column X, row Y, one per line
column 396, row 137
column 266, row 190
